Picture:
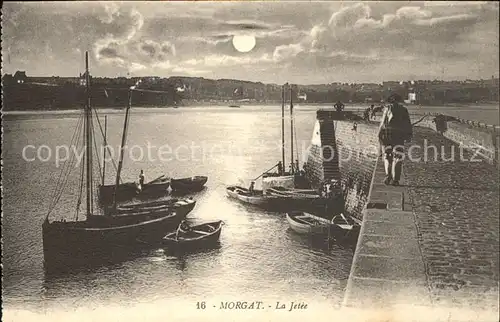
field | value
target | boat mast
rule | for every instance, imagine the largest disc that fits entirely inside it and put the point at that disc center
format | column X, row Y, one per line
column 291, row 129
column 283, row 128
column 88, row 137
column 104, row 149
column 122, row 148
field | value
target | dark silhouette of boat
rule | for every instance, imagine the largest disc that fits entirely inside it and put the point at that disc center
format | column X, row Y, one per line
column 192, row 184
column 200, row 236
column 181, row 206
column 126, row 191
column 69, row 243
column 235, row 106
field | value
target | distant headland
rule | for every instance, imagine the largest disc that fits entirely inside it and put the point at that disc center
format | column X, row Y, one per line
column 24, row 93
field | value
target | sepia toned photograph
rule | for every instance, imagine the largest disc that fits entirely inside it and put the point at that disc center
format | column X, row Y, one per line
column 250, row 161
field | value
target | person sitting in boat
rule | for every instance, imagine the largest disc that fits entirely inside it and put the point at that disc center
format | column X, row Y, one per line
column 339, row 106
column 251, row 189
column 182, row 229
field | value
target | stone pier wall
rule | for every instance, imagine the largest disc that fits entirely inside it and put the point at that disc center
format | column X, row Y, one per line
column 345, row 148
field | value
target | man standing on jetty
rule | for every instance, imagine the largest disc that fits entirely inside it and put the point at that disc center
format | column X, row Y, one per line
column 395, row 129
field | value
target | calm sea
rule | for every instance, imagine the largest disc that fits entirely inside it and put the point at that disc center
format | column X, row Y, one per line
column 259, row 256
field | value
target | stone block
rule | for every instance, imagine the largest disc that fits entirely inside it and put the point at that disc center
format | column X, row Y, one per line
column 395, row 269
column 401, row 217
column 390, row 246
column 394, row 199
column 383, row 293
column 403, row 229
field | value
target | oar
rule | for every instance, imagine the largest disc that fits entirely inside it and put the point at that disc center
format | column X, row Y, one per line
column 263, row 173
column 156, row 179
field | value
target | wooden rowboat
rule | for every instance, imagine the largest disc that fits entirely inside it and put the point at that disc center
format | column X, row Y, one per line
column 256, row 197
column 191, row 184
column 203, row 235
column 181, row 206
column 305, row 223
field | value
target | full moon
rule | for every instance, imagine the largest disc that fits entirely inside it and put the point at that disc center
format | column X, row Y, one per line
column 243, row 44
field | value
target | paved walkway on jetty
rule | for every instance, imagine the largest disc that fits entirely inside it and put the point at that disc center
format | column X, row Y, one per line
column 437, row 243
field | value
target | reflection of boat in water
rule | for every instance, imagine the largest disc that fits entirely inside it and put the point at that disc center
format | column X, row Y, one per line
column 78, row 242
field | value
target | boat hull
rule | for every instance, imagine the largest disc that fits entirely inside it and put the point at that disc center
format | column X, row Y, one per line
column 205, row 241
column 193, row 184
column 257, row 199
column 131, row 190
column 125, row 191
column 301, row 227
column 180, row 206
column 69, row 244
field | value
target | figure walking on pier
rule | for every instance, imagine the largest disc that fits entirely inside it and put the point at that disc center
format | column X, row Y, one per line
column 395, row 129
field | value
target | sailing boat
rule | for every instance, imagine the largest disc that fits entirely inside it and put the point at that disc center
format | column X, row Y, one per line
column 272, row 181
column 128, row 190
column 283, row 179
column 69, row 243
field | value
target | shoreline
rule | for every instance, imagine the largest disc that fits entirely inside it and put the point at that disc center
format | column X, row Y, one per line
column 254, row 104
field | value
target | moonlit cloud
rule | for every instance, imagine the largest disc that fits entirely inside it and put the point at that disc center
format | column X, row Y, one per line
column 313, row 42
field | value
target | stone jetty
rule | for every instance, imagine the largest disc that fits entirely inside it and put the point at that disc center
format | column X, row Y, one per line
column 428, row 249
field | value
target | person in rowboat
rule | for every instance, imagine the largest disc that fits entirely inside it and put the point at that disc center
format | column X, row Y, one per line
column 339, row 106
column 182, row 229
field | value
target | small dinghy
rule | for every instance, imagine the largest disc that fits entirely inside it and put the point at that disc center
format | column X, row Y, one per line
column 256, row 197
column 203, row 235
column 305, row 223
column 345, row 225
column 192, row 184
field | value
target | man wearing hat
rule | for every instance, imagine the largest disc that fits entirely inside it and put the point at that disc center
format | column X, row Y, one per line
column 395, row 129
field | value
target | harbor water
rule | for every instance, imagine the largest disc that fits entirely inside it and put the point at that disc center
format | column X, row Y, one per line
column 258, row 257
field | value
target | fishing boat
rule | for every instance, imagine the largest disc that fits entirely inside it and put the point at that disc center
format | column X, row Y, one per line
column 256, row 197
column 203, row 235
column 126, row 191
column 74, row 242
column 191, row 184
column 294, row 178
column 235, row 106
